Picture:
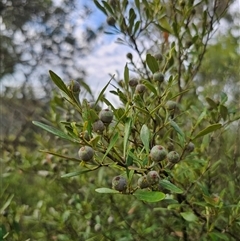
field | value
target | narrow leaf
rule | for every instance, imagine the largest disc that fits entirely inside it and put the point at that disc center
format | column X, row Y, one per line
column 7, row 203
column 223, row 111
column 55, row 131
column 189, row 216
column 145, row 137
column 149, row 196
column 60, row 155
column 106, row 190
column 111, row 144
column 176, row 128
column 169, row 186
column 152, row 63
column 211, row 103
column 73, row 174
column 151, row 87
column 224, row 97
column 200, row 118
column 136, row 27
column 127, row 131
column 208, row 130
column 108, row 7
column 59, row 83
column 126, row 75
column 218, row 236
column 99, row 6
column 103, row 90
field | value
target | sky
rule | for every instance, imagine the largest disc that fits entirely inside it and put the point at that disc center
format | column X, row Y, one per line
column 107, row 58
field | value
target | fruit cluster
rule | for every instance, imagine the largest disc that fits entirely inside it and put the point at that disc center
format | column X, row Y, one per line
column 151, row 180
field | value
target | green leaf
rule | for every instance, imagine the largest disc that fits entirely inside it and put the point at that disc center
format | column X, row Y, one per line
column 152, row 63
column 177, row 128
column 131, row 18
column 111, row 144
column 55, row 131
column 59, row 83
column 106, row 190
column 136, row 27
column 149, row 196
column 60, row 155
column 73, row 174
column 211, row 102
column 127, row 131
column 169, row 186
column 99, row 6
column 223, row 111
column 129, row 159
column 218, row 236
column 164, row 25
column 145, row 137
column 7, row 203
column 200, row 118
column 103, row 90
column 189, row 216
column 108, row 7
column 150, row 86
column 223, row 97
column 126, row 75
column 208, row 130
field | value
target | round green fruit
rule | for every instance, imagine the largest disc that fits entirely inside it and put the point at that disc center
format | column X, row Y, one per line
column 143, row 182
column 94, row 106
column 173, row 157
column 106, row 116
column 119, row 183
column 158, row 153
column 170, row 146
column 158, row 76
column 133, row 82
column 86, row 153
column 171, row 105
column 158, row 56
column 98, row 126
column 74, row 87
column 129, row 56
column 140, row 89
column 153, row 177
column 190, row 147
column 111, row 21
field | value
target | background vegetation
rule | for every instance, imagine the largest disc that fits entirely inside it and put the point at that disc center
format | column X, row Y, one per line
column 201, row 74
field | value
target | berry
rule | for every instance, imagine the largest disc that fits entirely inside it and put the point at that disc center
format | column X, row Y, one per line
column 129, row 56
column 173, row 157
column 158, row 76
column 153, row 177
column 158, row 153
column 143, row 182
column 86, row 153
column 133, row 82
column 170, row 146
column 106, row 116
column 111, row 21
column 140, row 88
column 92, row 105
column 113, row 3
column 119, row 183
column 190, row 147
column 171, row 105
column 158, row 56
column 98, row 126
column 74, row 86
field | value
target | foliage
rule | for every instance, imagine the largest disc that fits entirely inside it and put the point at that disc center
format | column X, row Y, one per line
column 194, row 197
column 36, row 32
